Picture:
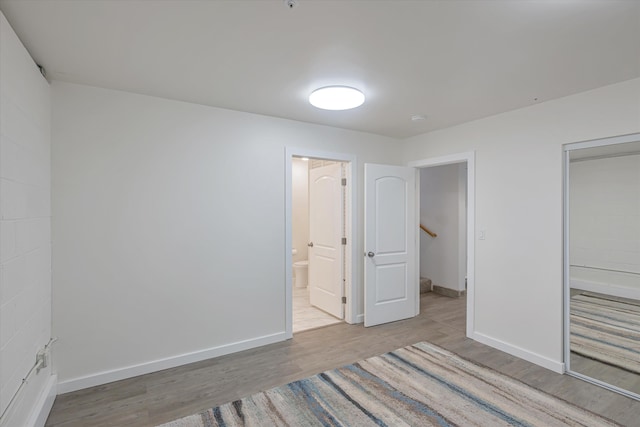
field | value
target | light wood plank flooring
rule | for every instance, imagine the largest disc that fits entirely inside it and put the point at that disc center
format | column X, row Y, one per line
column 607, row 373
column 163, row 396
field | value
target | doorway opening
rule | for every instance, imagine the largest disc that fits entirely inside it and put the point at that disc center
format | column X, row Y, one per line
column 318, row 240
column 389, row 190
column 447, row 219
column 443, row 240
column 318, row 232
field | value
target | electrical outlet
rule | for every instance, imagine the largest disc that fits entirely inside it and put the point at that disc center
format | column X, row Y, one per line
column 41, row 359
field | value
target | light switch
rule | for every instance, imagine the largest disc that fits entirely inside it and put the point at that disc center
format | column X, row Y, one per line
column 482, row 234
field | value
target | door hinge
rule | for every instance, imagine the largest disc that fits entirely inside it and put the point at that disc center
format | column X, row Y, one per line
column 344, row 182
column 344, row 300
column 344, row 240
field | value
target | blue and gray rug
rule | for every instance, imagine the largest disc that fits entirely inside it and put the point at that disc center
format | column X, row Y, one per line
column 419, row 385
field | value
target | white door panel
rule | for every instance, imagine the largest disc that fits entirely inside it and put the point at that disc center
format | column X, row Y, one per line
column 390, row 238
column 391, row 232
column 326, row 216
column 391, row 273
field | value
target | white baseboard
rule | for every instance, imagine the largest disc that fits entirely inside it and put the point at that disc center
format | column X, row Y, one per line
column 527, row 355
column 360, row 318
column 43, row 407
column 170, row 362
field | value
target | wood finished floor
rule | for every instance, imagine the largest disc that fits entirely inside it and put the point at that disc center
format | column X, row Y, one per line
column 607, row 373
column 163, row 396
column 602, row 371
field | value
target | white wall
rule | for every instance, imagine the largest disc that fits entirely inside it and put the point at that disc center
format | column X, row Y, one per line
column 152, row 221
column 441, row 204
column 300, row 208
column 25, row 231
column 605, row 225
column 605, row 213
column 155, row 205
column 518, row 274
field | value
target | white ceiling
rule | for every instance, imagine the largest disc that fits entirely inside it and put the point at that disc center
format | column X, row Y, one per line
column 453, row 61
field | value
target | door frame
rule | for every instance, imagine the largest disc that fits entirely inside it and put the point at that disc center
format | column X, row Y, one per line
column 351, row 225
column 468, row 158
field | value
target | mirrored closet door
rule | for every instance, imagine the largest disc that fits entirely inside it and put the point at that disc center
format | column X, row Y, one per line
column 602, row 262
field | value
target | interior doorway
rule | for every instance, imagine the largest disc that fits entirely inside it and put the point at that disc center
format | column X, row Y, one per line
column 460, row 180
column 443, row 221
column 318, row 239
column 327, row 245
column 354, row 295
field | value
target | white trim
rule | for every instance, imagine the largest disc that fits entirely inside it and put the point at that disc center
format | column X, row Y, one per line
column 470, row 158
column 349, row 255
column 352, row 279
column 443, row 160
column 169, row 362
column 360, row 318
column 43, row 407
column 462, row 228
column 565, row 265
column 520, row 352
column 602, row 142
column 416, row 234
column 288, row 245
column 31, row 405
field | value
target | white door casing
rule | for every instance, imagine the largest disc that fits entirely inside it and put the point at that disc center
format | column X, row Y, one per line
column 326, row 225
column 391, row 284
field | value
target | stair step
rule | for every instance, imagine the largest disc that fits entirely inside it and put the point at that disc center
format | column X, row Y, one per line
column 425, row 285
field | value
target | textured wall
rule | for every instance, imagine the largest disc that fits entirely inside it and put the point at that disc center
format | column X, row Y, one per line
column 25, row 225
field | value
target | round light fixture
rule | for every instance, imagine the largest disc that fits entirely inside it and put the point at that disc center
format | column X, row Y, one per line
column 336, row 98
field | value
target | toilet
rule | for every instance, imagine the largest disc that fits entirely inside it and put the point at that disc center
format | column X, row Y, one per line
column 300, row 269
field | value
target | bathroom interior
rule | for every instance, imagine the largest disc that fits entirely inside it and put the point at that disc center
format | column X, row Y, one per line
column 305, row 315
column 602, row 263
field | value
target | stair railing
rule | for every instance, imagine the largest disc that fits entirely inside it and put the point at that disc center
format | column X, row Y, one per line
column 429, row 232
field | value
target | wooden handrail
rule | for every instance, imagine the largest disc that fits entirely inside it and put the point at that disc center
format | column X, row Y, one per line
column 429, row 232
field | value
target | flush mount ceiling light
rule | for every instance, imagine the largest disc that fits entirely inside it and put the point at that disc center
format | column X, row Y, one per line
column 336, row 98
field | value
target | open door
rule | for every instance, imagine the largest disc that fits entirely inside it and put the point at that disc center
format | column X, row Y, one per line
column 326, row 225
column 391, row 284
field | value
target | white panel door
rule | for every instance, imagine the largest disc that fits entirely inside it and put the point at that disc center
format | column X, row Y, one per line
column 391, row 284
column 326, row 253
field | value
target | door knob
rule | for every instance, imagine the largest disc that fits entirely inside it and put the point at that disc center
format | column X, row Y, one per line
column 310, row 244
column 370, row 254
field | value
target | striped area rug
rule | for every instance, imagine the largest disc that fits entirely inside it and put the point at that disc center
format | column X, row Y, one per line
column 419, row 385
column 606, row 329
